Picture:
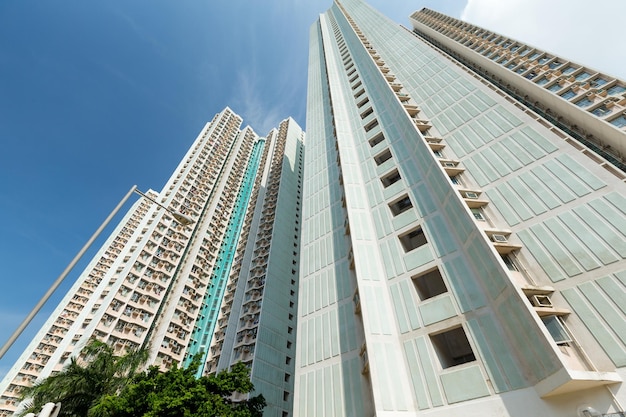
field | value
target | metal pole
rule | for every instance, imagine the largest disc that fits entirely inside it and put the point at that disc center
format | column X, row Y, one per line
column 64, row 274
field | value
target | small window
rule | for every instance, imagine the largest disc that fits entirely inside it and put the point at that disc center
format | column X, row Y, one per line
column 287, row 377
column 287, row 360
column 367, row 112
column 363, row 102
column 478, row 214
column 413, row 239
column 383, row 157
column 557, row 330
column 601, row 111
column 597, row 82
column 357, row 85
column 616, row 89
column 430, row 284
column 391, row 178
column 376, row 139
column 401, row 205
column 584, row 102
column 569, row 70
column 285, row 395
column 619, row 121
column 568, row 94
column 510, row 263
column 452, row 347
column 555, row 87
column 371, row 125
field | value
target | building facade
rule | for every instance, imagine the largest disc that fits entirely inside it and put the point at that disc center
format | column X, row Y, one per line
column 224, row 285
column 463, row 243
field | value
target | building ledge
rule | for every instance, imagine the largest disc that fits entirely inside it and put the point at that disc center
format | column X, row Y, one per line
column 566, row 381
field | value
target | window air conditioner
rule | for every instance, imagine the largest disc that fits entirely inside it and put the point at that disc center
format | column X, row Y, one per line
column 541, row 301
column 499, row 238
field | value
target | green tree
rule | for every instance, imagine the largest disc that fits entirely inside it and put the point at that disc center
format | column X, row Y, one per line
column 85, row 381
column 178, row 393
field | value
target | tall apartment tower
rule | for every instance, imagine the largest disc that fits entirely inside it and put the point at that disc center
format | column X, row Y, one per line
column 225, row 285
column 463, row 243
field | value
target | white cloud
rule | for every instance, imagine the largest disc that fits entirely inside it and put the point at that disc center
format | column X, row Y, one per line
column 572, row 29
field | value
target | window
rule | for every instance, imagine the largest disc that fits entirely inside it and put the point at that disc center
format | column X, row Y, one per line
column 556, row 329
column 619, row 121
column 510, row 264
column 534, row 56
column 456, row 180
column 568, row 94
column 543, row 60
column 376, row 139
column 287, row 360
column 382, row 157
column 391, row 178
column 452, row 347
column 601, row 111
column 616, row 89
column 371, row 125
column 597, row 82
column 287, row 377
column 582, row 76
column 285, row 395
column 367, row 113
column 569, row 70
column 478, row 214
column 521, row 70
column 554, row 64
column 584, row 102
column 400, row 206
column 429, row 284
column 413, row 239
column 542, row 81
column 555, row 87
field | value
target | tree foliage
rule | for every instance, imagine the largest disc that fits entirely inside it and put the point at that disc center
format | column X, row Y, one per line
column 101, row 384
column 178, row 393
column 85, row 381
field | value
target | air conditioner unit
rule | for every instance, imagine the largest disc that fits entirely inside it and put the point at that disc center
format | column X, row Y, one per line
column 499, row 238
column 541, row 301
column 471, row 194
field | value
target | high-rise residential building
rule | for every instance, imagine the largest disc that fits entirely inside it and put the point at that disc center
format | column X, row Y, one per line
column 464, row 225
column 460, row 247
column 225, row 285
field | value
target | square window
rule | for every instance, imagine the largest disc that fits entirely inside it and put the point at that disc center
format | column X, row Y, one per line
column 391, row 178
column 376, row 139
column 478, row 214
column 382, row 157
column 401, row 205
column 413, row 239
column 429, row 284
column 453, row 347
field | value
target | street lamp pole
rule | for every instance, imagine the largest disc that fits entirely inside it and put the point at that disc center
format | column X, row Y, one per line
column 178, row 216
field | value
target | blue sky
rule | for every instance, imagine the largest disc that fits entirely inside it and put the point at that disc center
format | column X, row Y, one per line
column 98, row 96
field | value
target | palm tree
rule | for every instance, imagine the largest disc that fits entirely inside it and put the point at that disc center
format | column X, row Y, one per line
column 85, row 381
